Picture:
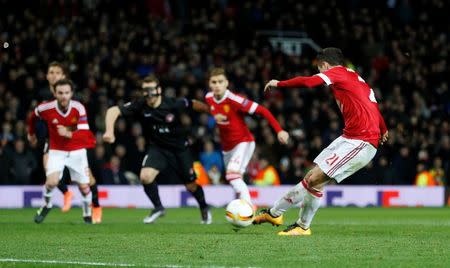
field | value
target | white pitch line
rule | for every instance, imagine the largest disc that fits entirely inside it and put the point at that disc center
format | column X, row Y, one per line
column 70, row 262
column 109, row 264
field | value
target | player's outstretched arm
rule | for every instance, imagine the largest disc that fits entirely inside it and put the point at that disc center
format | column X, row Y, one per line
column 111, row 116
column 299, row 81
column 199, row 106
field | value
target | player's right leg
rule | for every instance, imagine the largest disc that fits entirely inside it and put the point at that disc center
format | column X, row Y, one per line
column 50, row 184
column 153, row 162
column 53, row 164
column 147, row 177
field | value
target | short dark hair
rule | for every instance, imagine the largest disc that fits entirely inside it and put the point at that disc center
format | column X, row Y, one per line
column 150, row 79
column 216, row 71
column 331, row 55
column 58, row 64
column 64, row 82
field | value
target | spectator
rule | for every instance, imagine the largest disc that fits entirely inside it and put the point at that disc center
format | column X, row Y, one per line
column 22, row 164
column 215, row 175
column 438, row 172
column 211, row 157
column 268, row 175
column 112, row 173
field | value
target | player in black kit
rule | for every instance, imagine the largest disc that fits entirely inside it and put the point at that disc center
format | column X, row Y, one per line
column 168, row 145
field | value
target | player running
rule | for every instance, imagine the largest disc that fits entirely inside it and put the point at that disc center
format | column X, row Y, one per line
column 364, row 131
column 168, row 148
column 238, row 143
column 55, row 72
column 68, row 132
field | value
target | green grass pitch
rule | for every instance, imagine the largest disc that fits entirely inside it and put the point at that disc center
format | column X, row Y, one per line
column 342, row 237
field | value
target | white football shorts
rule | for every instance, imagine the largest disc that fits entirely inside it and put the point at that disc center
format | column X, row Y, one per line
column 76, row 161
column 344, row 156
column 237, row 158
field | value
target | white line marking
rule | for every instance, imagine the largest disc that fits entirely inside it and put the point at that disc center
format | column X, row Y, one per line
column 109, row 264
column 69, row 262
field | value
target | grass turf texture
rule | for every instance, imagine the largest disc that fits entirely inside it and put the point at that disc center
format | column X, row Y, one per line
column 342, row 237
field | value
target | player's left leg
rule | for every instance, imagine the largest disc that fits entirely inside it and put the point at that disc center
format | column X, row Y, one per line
column 310, row 197
column 293, row 197
column 236, row 161
column 85, row 191
column 96, row 208
column 197, row 192
column 183, row 164
column 79, row 172
column 62, row 186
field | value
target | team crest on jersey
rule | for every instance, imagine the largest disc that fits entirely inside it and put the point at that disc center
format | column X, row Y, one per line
column 226, row 108
column 169, row 118
column 55, row 121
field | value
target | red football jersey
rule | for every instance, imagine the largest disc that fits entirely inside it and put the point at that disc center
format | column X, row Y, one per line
column 357, row 102
column 233, row 130
column 75, row 119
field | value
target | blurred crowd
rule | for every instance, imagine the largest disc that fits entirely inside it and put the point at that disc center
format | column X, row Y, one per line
column 400, row 48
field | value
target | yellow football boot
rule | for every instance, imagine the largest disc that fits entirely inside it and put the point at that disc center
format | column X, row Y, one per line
column 295, row 229
column 264, row 216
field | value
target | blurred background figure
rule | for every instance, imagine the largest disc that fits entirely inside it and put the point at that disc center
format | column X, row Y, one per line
column 22, row 163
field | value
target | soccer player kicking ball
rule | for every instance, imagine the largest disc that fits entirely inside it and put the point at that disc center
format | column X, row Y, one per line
column 238, row 143
column 68, row 131
column 364, row 131
column 161, row 120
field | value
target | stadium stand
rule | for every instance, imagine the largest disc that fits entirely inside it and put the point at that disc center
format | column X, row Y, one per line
column 402, row 52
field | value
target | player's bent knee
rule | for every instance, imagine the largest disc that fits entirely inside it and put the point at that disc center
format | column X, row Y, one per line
column 92, row 180
column 316, row 178
column 148, row 175
column 146, row 179
column 191, row 187
column 52, row 180
column 84, row 188
column 51, row 184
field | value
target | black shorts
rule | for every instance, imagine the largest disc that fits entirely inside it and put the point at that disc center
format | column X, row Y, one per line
column 180, row 162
